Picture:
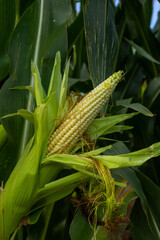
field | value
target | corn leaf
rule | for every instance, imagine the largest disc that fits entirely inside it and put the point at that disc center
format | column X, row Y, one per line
column 63, row 92
column 82, row 164
column 24, row 179
column 73, row 161
column 96, row 152
column 55, row 81
column 3, row 136
column 58, row 189
column 52, row 114
column 117, row 148
column 152, row 193
column 54, row 87
column 23, row 113
column 150, row 202
column 138, row 107
column 30, row 88
column 100, row 126
column 26, row 114
column 72, row 81
column 80, row 224
column 6, row 201
column 33, row 218
column 39, row 91
column 7, row 24
column 102, row 42
column 138, row 17
column 131, row 177
column 48, row 172
column 140, row 224
column 131, row 159
column 118, row 128
column 152, row 92
column 142, row 52
column 85, row 162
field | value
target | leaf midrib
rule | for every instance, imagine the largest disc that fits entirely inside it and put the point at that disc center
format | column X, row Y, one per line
column 26, row 126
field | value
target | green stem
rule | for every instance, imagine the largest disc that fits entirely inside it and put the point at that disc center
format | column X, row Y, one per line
column 14, row 234
column 48, row 213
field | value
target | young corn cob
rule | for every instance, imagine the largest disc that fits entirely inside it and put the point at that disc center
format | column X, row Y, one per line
column 78, row 119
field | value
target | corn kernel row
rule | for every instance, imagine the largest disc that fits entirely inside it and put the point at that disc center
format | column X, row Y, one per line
column 79, row 118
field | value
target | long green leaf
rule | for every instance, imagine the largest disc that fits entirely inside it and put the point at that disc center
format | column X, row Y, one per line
column 101, row 39
column 24, row 180
column 63, row 91
column 55, row 86
column 22, row 112
column 131, row 159
column 149, row 196
column 131, row 177
column 38, row 88
column 152, row 193
column 100, row 126
column 137, row 107
column 85, row 162
column 142, row 52
column 7, row 23
column 138, row 16
column 57, row 189
column 55, row 81
column 142, row 228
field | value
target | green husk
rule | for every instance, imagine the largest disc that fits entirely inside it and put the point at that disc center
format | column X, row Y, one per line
column 3, row 136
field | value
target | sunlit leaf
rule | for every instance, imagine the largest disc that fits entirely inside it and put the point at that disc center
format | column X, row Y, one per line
column 39, row 91
column 100, row 126
column 131, row 159
column 58, row 189
column 24, row 113
column 63, row 91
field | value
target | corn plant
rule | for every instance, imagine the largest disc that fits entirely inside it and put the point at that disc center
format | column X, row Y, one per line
column 69, row 167
column 57, row 130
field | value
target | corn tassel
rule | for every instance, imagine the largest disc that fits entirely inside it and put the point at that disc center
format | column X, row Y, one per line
column 79, row 118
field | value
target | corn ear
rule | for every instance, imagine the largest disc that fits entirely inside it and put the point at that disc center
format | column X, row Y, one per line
column 78, row 119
